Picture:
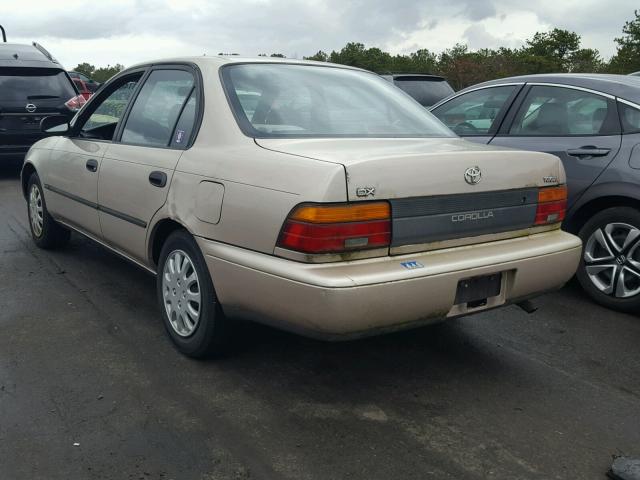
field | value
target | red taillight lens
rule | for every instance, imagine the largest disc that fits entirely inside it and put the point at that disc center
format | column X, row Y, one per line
column 74, row 104
column 552, row 205
column 337, row 228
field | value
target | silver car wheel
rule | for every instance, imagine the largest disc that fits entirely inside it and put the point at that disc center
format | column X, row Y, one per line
column 181, row 292
column 36, row 210
column 612, row 259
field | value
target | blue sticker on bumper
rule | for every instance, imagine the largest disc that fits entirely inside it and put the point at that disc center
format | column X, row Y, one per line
column 412, row 265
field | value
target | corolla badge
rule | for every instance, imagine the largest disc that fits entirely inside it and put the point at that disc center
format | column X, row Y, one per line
column 30, row 107
column 473, row 175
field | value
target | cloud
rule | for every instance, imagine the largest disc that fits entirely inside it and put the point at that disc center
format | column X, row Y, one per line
column 128, row 31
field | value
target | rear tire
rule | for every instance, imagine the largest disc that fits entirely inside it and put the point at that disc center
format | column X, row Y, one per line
column 190, row 309
column 45, row 231
column 609, row 269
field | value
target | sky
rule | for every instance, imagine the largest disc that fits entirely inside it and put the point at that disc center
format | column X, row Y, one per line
column 104, row 32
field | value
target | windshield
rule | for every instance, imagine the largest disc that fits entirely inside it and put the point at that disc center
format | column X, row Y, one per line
column 427, row 91
column 283, row 100
column 24, row 85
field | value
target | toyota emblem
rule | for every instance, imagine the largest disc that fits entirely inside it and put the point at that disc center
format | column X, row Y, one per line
column 473, row 175
column 30, row 107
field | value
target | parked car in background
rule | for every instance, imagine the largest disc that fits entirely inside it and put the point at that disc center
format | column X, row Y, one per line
column 426, row 89
column 82, row 88
column 90, row 83
column 33, row 85
column 317, row 198
column 592, row 122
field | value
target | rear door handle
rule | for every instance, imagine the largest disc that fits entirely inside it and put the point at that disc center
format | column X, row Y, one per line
column 158, row 179
column 588, row 151
column 92, row 165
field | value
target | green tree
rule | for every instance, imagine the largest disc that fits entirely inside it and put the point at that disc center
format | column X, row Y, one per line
column 627, row 57
column 103, row 74
column 320, row 56
column 551, row 51
column 85, row 69
column 277, row 55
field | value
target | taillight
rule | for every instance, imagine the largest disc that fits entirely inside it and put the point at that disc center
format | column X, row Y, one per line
column 315, row 228
column 552, row 205
column 74, row 104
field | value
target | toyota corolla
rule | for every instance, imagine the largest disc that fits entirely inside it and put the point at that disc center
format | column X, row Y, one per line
column 313, row 197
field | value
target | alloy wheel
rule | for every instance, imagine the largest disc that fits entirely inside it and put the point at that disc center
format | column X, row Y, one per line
column 612, row 260
column 181, row 292
column 36, row 210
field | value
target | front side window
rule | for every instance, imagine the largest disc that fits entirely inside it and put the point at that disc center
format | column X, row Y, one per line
column 154, row 114
column 105, row 117
column 282, row 100
column 474, row 113
column 558, row 111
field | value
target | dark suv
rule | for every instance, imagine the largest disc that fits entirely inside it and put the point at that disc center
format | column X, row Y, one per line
column 426, row 89
column 33, row 85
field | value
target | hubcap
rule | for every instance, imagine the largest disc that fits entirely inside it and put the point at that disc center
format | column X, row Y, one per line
column 612, row 259
column 36, row 210
column 181, row 293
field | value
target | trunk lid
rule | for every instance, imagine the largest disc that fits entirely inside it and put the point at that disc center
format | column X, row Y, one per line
column 424, row 180
column 404, row 168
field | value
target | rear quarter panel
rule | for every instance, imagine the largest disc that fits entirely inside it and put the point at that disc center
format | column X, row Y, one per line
column 260, row 187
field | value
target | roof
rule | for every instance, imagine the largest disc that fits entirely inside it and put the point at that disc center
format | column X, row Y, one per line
column 626, row 87
column 231, row 59
column 20, row 55
column 413, row 75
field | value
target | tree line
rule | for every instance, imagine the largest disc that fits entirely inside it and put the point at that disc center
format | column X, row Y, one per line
column 555, row 51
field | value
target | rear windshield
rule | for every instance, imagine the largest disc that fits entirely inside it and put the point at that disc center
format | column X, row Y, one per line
column 427, row 91
column 295, row 101
column 24, row 85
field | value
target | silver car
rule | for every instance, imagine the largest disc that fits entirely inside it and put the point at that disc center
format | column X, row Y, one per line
column 314, row 197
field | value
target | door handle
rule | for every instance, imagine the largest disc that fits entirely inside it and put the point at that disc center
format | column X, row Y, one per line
column 92, row 165
column 158, row 179
column 588, row 151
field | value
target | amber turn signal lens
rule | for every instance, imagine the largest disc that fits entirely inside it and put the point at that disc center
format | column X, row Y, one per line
column 552, row 205
column 342, row 213
column 552, row 194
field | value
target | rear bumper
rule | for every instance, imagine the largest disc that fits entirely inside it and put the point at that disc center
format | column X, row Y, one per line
column 356, row 298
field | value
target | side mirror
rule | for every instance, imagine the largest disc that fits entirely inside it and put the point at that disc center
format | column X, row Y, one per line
column 55, row 125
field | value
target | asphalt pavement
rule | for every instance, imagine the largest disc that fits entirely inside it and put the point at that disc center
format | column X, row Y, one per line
column 91, row 387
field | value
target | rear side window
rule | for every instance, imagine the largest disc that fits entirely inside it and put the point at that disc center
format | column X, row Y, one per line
column 630, row 118
column 20, row 86
column 474, row 113
column 559, row 111
column 427, row 91
column 153, row 117
column 186, row 122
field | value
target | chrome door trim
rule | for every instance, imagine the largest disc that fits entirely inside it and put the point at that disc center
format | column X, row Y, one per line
column 572, row 87
column 463, row 92
column 95, row 206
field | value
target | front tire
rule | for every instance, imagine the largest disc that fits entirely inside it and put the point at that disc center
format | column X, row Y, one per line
column 609, row 270
column 45, row 231
column 190, row 310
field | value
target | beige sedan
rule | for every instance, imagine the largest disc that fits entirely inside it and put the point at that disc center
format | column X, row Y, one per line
column 313, row 197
